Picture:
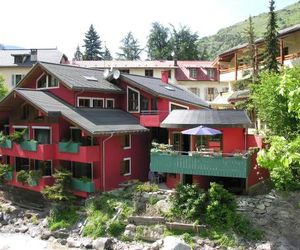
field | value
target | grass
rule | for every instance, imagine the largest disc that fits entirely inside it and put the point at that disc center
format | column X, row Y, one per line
column 59, row 219
column 147, row 187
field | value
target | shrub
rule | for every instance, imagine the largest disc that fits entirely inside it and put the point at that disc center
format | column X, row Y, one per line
column 221, row 206
column 4, row 169
column 96, row 224
column 62, row 218
column 22, row 177
column 147, row 187
column 115, row 228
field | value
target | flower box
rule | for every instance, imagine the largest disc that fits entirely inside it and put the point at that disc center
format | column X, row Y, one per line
column 6, row 144
column 29, row 145
column 69, row 147
column 80, row 185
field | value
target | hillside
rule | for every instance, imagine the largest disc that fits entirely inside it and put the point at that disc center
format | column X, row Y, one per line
column 233, row 35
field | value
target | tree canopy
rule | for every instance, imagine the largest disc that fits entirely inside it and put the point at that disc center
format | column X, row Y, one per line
column 92, row 44
column 78, row 56
column 106, row 54
column 158, row 44
column 130, row 48
column 3, row 88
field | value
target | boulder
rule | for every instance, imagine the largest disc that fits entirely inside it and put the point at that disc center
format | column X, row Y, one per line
column 102, row 243
column 72, row 242
column 45, row 235
column 175, row 243
column 163, row 206
column 60, row 234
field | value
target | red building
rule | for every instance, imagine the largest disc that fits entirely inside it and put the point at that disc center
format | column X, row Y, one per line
column 98, row 127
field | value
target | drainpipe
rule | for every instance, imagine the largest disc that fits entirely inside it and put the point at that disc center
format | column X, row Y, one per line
column 103, row 159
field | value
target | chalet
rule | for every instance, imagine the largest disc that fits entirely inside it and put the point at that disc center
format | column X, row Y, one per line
column 199, row 77
column 99, row 127
column 16, row 63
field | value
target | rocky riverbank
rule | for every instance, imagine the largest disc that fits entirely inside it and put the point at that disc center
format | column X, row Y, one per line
column 277, row 215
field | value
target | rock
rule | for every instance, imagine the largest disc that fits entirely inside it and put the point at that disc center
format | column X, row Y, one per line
column 60, row 234
column 265, row 246
column 258, row 211
column 45, row 235
column 45, row 222
column 102, row 243
column 130, row 227
column 62, row 241
column 28, row 215
column 34, row 232
column 267, row 204
column 156, row 245
column 72, row 242
column 175, row 243
column 163, row 206
column 23, row 229
column 129, row 234
column 86, row 243
column 260, row 206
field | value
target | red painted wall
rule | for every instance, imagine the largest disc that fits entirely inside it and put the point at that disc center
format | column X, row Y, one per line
column 233, row 139
column 171, row 181
column 201, row 181
column 256, row 174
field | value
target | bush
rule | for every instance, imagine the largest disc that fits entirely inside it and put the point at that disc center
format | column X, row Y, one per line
column 188, row 202
column 221, row 207
column 62, row 218
column 96, row 225
column 22, row 177
column 115, row 228
column 147, row 187
column 4, row 169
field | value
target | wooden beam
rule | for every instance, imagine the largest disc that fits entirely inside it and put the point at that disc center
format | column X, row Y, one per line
column 235, row 65
column 281, row 52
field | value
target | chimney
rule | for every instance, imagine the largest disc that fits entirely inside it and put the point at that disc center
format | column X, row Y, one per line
column 33, row 55
column 165, row 76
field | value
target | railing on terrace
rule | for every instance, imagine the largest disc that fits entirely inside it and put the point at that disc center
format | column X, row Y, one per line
column 204, row 163
column 154, row 112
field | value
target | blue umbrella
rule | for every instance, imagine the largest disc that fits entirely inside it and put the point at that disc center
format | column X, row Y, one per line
column 201, row 130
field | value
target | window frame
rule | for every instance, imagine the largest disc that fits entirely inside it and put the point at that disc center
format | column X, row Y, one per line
column 129, row 140
column 127, row 159
column 193, row 73
column 174, row 103
column 51, row 162
column 47, row 82
column 110, row 99
column 99, row 99
column 42, row 127
column 14, row 83
column 138, row 99
column 211, row 74
column 147, row 71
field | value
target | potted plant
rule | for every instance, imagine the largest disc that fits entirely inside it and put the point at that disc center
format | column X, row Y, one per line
column 33, row 177
column 17, row 136
column 5, row 142
column 22, row 177
column 6, row 172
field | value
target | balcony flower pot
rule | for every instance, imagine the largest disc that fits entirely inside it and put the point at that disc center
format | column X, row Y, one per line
column 7, row 143
column 29, row 145
column 83, row 185
column 9, row 175
column 69, row 147
column 34, row 177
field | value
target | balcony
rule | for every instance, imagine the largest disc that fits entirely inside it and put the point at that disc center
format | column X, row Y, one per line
column 84, row 186
column 72, row 150
column 6, row 144
column 196, row 164
column 152, row 118
column 29, row 149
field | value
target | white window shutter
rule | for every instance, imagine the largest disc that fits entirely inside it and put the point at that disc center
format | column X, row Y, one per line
column 206, row 94
column 13, row 80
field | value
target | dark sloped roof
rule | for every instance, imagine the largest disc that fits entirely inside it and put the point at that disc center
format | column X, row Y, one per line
column 239, row 95
column 76, row 77
column 46, row 55
column 210, row 118
column 159, row 88
column 94, row 121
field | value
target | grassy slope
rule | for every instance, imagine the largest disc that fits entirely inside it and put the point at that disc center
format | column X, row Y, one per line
column 233, row 35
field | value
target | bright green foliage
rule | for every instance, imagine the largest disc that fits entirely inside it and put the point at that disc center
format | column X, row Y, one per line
column 130, row 48
column 3, row 88
column 188, row 202
column 17, row 136
column 271, row 40
column 92, row 44
column 115, row 228
column 272, row 107
column 62, row 218
column 282, row 159
column 61, row 190
column 147, row 187
column 290, row 88
column 221, row 207
column 96, row 224
column 22, row 177
column 184, row 43
column 4, row 169
column 158, row 45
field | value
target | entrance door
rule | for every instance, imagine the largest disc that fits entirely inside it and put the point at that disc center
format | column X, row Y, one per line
column 187, row 179
column 177, row 141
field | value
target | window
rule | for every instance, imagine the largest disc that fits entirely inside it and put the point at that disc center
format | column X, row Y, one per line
column 42, row 135
column 154, row 103
column 144, row 103
column 98, row 103
column 174, row 106
column 84, row 102
column 177, row 141
column 149, row 72
column 210, row 73
column 225, row 89
column 44, row 166
column 126, row 141
column 25, row 112
column 15, row 78
column 211, row 94
column 47, row 81
column 19, row 59
column 76, row 136
column 126, row 166
column 195, row 90
column 285, row 51
column 81, row 170
column 133, row 100
column 110, row 103
column 193, row 72
column 124, row 71
column 169, row 74
column 22, row 164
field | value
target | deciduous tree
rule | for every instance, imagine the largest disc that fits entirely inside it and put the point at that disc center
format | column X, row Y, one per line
column 3, row 88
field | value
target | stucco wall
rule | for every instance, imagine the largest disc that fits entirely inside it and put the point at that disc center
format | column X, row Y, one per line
column 7, row 73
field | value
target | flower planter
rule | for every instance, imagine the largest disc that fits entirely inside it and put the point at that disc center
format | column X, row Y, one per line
column 80, row 185
column 69, row 147
column 29, row 145
column 6, row 144
column 33, row 183
column 9, row 175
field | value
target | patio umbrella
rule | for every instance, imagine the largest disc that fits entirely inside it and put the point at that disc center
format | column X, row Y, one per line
column 201, row 130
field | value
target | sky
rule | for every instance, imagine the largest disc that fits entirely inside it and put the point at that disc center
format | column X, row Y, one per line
column 63, row 23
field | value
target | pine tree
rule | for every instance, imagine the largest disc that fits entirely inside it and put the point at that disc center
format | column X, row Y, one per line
column 130, row 49
column 106, row 55
column 271, row 39
column 78, row 56
column 92, row 44
column 251, row 58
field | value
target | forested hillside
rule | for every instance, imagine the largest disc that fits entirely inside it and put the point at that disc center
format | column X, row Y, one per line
column 233, row 35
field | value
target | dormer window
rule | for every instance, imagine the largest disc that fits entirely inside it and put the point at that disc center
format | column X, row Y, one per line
column 193, row 73
column 46, row 81
column 210, row 73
